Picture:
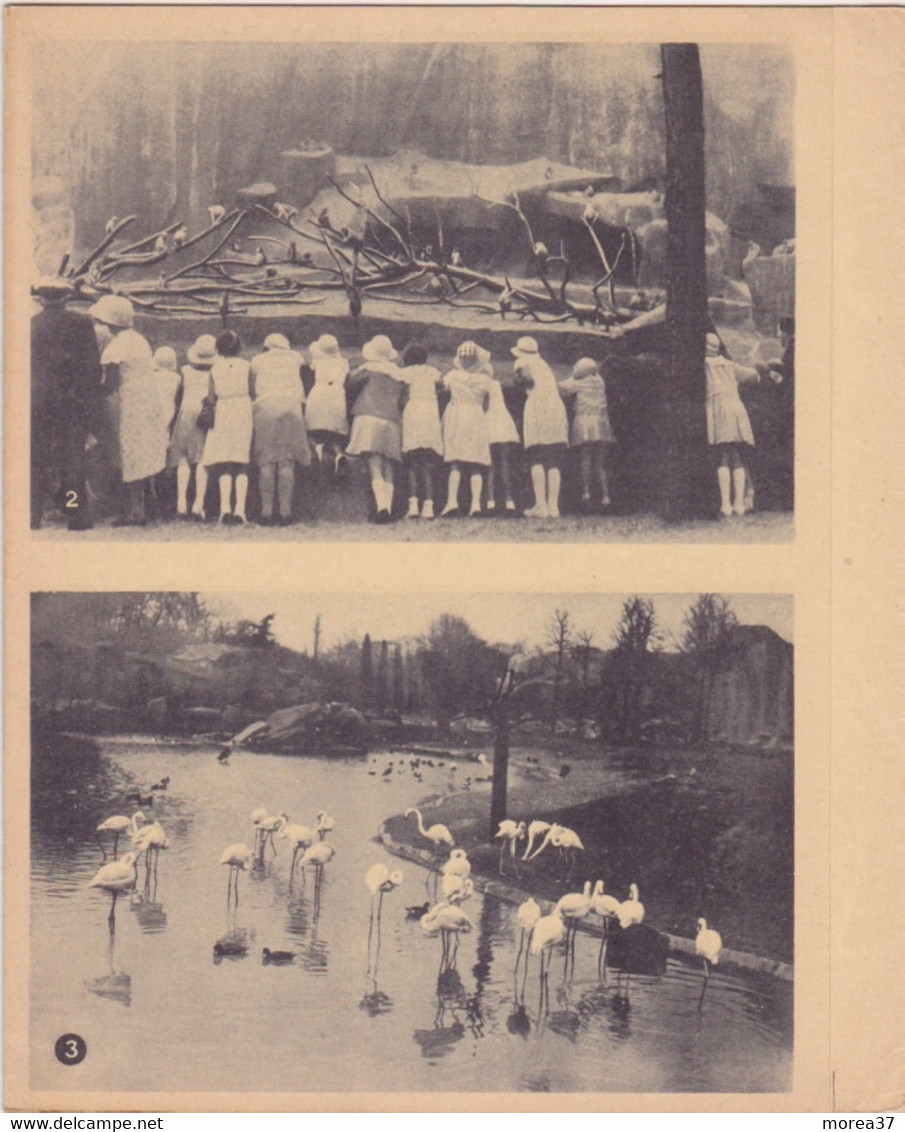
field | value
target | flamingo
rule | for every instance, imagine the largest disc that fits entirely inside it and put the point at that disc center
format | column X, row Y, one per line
column 237, row 856
column 301, row 837
column 379, row 880
column 565, row 840
column 486, row 774
column 708, row 944
column 510, row 832
column 526, row 916
column 257, row 816
column 607, row 908
column 318, row 855
column 150, row 839
column 630, row 911
column 116, row 877
column 437, row 834
column 574, row 906
column 269, row 826
column 446, row 920
column 535, row 828
column 324, row 824
column 457, row 864
column 457, row 889
column 548, row 931
column 118, row 825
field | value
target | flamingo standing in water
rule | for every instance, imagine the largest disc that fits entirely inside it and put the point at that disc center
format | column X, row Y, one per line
column 457, row 864
column 526, row 916
column 116, row 877
column 548, row 931
column 269, row 826
column 238, row 856
column 301, row 838
column 118, row 825
column 708, row 944
column 446, row 920
column 318, row 855
column 457, row 889
column 150, row 839
column 630, row 911
column 510, row 833
column 572, row 907
column 379, row 880
column 607, row 908
column 324, row 824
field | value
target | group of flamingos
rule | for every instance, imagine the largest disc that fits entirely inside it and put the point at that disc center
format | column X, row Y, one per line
column 541, row 933
column 453, row 883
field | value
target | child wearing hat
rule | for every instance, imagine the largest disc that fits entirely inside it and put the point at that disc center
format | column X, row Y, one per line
column 591, row 432
column 377, row 419
column 728, row 427
column 133, row 403
column 422, row 442
column 466, row 438
column 325, row 415
column 280, row 439
column 187, row 440
column 227, row 447
column 501, row 430
column 545, row 425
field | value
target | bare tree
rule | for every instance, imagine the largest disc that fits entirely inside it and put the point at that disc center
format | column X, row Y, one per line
column 706, row 633
column 581, row 650
column 633, row 637
column 317, row 640
column 558, row 634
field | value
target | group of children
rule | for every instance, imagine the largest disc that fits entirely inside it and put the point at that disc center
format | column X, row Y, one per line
column 220, row 412
column 223, row 413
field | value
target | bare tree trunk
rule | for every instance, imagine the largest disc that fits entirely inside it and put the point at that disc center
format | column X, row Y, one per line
column 683, row 440
column 498, row 800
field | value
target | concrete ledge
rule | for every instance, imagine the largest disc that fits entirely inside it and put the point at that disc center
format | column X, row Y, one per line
column 593, row 925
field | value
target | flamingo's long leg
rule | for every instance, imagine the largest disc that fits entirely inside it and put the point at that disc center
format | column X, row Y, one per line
column 704, row 986
column 101, row 844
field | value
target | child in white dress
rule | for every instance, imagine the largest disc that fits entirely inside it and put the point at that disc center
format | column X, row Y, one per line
column 227, row 449
column 466, row 438
column 501, row 429
column 325, row 415
column 591, row 431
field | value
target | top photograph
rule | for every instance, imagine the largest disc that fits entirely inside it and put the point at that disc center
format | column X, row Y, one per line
column 413, row 292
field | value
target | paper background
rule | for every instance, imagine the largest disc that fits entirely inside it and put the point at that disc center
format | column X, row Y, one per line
column 842, row 567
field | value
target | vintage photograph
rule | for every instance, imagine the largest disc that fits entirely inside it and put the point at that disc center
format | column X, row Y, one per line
column 422, row 843
column 413, row 291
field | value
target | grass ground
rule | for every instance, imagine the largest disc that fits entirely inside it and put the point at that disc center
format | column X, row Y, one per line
column 703, row 833
column 758, row 527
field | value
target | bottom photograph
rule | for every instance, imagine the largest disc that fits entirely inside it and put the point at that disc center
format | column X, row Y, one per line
column 420, row 843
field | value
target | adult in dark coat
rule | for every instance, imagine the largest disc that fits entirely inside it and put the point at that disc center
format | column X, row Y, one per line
column 65, row 387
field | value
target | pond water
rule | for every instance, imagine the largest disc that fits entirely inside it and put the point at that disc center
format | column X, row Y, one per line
column 158, row 1013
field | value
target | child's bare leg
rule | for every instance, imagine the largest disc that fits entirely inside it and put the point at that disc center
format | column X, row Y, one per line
column 200, row 490
column 600, row 462
column 452, row 491
column 477, row 485
column 183, row 475
column 554, row 480
column 539, row 483
column 724, row 482
column 375, row 471
column 389, row 481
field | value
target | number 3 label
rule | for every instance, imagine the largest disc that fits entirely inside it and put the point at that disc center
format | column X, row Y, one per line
column 70, row 1049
